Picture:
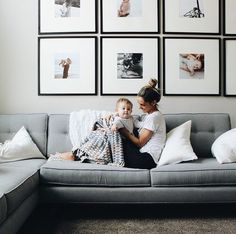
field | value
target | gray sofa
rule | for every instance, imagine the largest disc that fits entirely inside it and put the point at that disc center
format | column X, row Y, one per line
column 24, row 183
column 19, row 180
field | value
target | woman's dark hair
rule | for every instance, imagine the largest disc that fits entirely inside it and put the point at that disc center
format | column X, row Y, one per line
column 149, row 92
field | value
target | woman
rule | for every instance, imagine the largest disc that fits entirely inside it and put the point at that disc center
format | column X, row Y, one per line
column 144, row 150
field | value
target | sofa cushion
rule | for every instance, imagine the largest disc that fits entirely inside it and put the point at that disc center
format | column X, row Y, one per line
column 58, row 133
column 36, row 125
column 3, row 207
column 178, row 147
column 19, row 147
column 73, row 173
column 206, row 127
column 201, row 172
column 18, row 182
column 34, row 164
column 224, row 147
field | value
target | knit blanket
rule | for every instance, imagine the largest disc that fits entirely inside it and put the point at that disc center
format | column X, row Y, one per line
column 92, row 138
column 102, row 145
column 81, row 123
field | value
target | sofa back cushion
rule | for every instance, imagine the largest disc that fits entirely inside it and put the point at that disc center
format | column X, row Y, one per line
column 206, row 127
column 36, row 125
column 58, row 133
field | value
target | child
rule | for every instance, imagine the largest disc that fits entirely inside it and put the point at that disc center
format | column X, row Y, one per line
column 123, row 117
column 124, row 8
column 191, row 63
column 104, row 142
column 66, row 9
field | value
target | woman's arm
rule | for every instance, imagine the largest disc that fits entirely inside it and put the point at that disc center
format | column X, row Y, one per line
column 144, row 137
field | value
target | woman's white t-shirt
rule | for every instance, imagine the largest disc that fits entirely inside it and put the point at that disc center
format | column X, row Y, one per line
column 154, row 122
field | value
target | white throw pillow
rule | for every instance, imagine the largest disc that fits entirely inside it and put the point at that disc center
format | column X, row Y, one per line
column 20, row 147
column 224, row 147
column 178, row 147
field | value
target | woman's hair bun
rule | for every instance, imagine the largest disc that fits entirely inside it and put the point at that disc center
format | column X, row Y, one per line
column 153, row 83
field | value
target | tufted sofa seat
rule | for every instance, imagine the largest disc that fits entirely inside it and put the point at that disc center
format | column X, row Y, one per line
column 86, row 183
column 202, row 172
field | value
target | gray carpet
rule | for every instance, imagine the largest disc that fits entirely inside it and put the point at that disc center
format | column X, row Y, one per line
column 123, row 219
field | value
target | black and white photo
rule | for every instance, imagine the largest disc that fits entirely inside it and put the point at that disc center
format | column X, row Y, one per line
column 192, row 17
column 191, row 8
column 127, row 63
column 67, row 8
column 67, row 16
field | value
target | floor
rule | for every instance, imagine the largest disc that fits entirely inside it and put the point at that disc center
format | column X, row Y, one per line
column 73, row 219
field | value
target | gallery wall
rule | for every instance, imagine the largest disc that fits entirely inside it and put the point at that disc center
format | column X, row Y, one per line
column 19, row 73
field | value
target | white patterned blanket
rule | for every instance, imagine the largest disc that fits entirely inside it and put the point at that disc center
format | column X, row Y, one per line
column 101, row 145
column 81, row 124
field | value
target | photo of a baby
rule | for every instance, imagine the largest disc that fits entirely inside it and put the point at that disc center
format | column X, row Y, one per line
column 129, row 8
column 67, row 8
column 129, row 65
column 191, row 8
column 191, row 66
column 66, row 66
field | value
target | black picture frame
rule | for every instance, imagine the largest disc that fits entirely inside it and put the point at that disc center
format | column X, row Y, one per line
column 183, row 75
column 127, row 63
column 229, row 7
column 67, row 65
column 144, row 19
column 53, row 19
column 194, row 21
column 229, row 45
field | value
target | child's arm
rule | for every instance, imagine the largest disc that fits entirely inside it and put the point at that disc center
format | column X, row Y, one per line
column 117, row 124
column 114, row 128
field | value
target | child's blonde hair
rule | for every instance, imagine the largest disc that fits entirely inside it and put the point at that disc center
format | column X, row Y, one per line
column 126, row 100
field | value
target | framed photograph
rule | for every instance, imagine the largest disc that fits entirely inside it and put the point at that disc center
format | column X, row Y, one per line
column 127, row 64
column 229, row 17
column 191, row 66
column 191, row 16
column 127, row 16
column 67, row 66
column 67, row 16
column 229, row 67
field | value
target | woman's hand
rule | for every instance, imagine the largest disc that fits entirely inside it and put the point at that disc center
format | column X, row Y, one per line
column 124, row 132
column 144, row 136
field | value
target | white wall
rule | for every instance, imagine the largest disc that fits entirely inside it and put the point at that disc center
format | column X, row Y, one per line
column 18, row 73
